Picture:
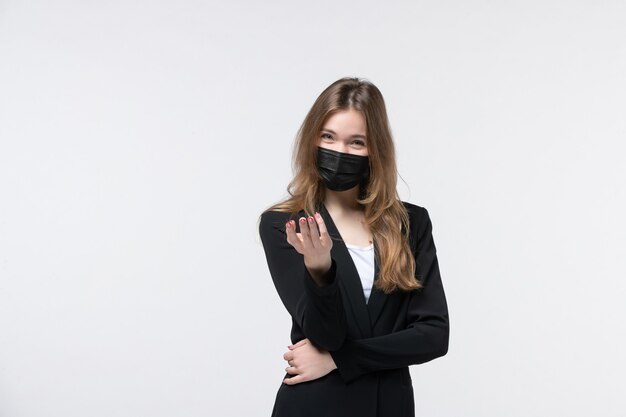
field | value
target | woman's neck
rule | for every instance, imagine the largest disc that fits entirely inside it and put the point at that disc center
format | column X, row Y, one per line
column 342, row 201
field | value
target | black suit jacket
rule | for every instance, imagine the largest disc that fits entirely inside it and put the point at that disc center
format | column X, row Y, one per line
column 371, row 343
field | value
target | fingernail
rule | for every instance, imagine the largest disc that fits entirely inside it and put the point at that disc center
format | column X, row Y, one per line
column 317, row 214
column 311, row 220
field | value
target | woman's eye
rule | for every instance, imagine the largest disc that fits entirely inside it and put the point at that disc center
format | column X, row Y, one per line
column 359, row 142
column 326, row 136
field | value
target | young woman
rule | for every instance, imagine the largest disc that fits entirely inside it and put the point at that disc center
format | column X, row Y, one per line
column 354, row 265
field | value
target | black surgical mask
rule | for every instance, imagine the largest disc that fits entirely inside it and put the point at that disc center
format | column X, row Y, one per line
column 341, row 171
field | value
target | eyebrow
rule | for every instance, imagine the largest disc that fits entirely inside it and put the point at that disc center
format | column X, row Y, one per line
column 353, row 136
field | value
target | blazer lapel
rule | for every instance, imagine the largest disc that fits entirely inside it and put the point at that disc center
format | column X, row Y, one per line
column 349, row 274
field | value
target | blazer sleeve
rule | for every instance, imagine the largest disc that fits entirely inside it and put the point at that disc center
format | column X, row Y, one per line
column 427, row 333
column 318, row 311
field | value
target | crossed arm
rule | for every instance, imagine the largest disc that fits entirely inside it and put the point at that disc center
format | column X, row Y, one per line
column 425, row 337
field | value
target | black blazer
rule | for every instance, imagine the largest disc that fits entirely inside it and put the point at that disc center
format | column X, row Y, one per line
column 371, row 343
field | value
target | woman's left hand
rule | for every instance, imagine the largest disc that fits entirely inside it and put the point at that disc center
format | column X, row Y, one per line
column 306, row 362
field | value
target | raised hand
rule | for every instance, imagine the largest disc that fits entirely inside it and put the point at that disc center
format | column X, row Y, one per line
column 313, row 242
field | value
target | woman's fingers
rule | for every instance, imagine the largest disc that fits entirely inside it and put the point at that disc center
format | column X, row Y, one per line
column 313, row 237
column 306, row 233
column 318, row 232
column 324, row 237
column 294, row 380
column 300, row 343
column 291, row 370
column 296, row 239
column 292, row 237
column 312, row 230
column 315, row 234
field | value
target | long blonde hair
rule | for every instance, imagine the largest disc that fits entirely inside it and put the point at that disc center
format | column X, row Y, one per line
column 384, row 212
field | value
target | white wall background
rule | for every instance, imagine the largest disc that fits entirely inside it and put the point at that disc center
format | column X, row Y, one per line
column 140, row 140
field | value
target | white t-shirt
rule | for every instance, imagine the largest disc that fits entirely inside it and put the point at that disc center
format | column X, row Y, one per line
column 363, row 258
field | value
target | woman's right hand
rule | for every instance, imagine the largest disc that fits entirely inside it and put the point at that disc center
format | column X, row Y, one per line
column 313, row 242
